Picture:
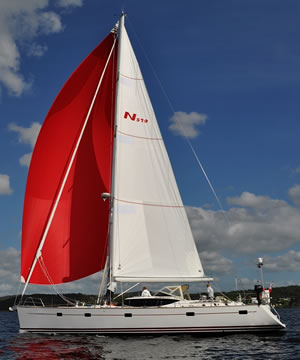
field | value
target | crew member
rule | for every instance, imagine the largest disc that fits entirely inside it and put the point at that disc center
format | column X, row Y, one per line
column 111, row 288
column 210, row 291
column 146, row 292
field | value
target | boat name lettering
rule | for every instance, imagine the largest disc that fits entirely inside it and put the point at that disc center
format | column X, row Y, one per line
column 134, row 117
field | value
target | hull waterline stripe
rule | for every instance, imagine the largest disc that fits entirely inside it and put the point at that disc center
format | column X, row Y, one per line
column 206, row 329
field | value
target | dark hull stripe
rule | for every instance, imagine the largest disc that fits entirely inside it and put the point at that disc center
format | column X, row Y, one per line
column 159, row 330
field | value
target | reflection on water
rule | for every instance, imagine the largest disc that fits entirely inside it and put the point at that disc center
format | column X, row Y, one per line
column 56, row 347
column 243, row 346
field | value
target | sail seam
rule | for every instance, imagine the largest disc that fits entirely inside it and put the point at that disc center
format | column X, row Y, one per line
column 149, row 204
column 139, row 137
column 132, row 78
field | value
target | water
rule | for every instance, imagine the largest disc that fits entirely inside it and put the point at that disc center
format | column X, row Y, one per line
column 244, row 346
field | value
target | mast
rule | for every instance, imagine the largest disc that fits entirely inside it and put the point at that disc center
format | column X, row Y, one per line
column 112, row 197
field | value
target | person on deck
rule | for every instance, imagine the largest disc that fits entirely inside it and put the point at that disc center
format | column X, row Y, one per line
column 111, row 288
column 259, row 291
column 146, row 292
column 210, row 291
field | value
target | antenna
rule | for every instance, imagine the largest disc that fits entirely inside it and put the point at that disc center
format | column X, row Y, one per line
column 260, row 264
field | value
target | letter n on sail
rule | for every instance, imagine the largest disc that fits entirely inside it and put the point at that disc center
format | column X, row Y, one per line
column 127, row 114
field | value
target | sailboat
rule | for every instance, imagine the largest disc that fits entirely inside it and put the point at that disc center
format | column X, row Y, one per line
column 101, row 195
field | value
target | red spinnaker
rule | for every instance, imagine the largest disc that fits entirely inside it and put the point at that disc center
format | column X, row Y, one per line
column 76, row 243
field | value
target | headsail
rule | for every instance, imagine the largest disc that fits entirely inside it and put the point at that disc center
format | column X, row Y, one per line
column 152, row 239
column 76, row 243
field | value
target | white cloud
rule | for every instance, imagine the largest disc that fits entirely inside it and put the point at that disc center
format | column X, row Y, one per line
column 294, row 194
column 10, row 278
column 255, row 201
column 5, row 188
column 21, row 22
column 50, row 22
column 89, row 285
column 9, row 271
column 245, row 283
column 185, row 124
column 10, row 64
column 26, row 135
column 25, row 159
column 67, row 3
column 287, row 262
column 215, row 263
column 36, row 50
column 261, row 225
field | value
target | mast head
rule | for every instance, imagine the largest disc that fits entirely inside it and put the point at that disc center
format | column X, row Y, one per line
column 115, row 29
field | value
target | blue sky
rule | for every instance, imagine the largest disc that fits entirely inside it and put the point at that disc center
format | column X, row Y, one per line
column 231, row 72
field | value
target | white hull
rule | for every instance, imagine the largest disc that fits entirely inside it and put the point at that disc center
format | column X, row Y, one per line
column 184, row 317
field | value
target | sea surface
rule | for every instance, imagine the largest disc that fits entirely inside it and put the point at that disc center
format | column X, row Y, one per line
column 244, row 346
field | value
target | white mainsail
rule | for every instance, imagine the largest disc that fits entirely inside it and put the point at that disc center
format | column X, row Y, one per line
column 152, row 239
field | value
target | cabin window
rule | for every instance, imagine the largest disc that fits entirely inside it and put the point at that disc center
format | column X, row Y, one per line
column 58, row 314
column 87, row 314
column 128, row 315
column 243, row 312
column 190, row 313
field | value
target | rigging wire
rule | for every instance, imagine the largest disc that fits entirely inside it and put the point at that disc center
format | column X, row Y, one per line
column 173, row 111
column 48, row 276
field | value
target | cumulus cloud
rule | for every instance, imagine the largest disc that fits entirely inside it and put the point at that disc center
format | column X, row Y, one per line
column 67, row 3
column 289, row 261
column 9, row 271
column 88, row 285
column 185, row 124
column 254, row 201
column 294, row 194
column 260, row 225
column 25, row 159
column 5, row 188
column 21, row 23
column 245, row 283
column 36, row 50
column 215, row 263
column 10, row 278
column 26, row 136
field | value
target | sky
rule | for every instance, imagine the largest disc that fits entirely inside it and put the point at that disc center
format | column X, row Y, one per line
column 225, row 74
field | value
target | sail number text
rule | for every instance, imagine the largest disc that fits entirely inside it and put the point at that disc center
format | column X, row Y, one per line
column 134, row 117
